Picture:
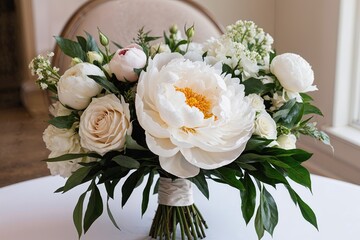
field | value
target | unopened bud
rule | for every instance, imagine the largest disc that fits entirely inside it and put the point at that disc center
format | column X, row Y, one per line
column 190, row 32
column 75, row 61
column 173, row 29
column 94, row 56
column 103, row 39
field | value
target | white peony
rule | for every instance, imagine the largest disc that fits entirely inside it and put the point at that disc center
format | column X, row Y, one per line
column 293, row 72
column 265, row 126
column 192, row 115
column 60, row 142
column 75, row 88
column 104, row 124
column 287, row 141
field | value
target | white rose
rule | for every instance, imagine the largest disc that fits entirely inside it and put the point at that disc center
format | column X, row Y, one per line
column 293, row 72
column 193, row 116
column 126, row 60
column 256, row 102
column 104, row 124
column 75, row 88
column 265, row 126
column 287, row 141
column 60, row 142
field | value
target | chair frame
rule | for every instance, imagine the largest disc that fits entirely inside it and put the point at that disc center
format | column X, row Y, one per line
column 73, row 23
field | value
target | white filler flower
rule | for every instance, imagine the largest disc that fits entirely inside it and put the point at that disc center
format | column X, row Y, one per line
column 192, row 115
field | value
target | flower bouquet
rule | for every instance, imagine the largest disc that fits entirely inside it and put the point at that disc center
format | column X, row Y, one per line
column 180, row 113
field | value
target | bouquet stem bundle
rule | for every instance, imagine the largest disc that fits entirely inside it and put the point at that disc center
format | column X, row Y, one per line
column 167, row 218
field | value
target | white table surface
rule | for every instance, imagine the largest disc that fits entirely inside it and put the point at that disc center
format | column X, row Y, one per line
column 31, row 211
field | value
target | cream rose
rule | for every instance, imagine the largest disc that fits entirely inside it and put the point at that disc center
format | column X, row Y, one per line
column 104, row 124
column 60, row 142
column 75, row 88
column 257, row 102
column 265, row 126
column 293, row 72
column 287, row 141
column 126, row 60
column 193, row 116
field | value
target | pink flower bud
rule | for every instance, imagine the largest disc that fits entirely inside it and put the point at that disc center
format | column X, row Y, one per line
column 125, row 61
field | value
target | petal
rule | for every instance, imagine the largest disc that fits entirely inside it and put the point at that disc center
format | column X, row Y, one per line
column 161, row 146
column 211, row 160
column 178, row 166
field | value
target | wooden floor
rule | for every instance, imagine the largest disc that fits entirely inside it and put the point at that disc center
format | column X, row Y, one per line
column 21, row 146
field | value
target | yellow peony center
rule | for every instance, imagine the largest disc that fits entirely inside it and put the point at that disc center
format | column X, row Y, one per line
column 197, row 100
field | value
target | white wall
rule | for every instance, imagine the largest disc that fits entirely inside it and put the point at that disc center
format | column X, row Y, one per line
column 49, row 18
column 262, row 12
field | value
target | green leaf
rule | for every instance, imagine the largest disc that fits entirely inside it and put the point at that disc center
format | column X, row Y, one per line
column 126, row 162
column 201, row 183
column 248, row 198
column 71, row 156
column 146, row 193
column 91, row 43
column 112, row 219
column 229, row 176
column 117, row 45
column 311, row 109
column 305, row 209
column 306, row 98
column 82, row 41
column 269, row 211
column 76, row 178
column 130, row 184
column 284, row 110
column 300, row 175
column 64, row 122
column 226, row 69
column 273, row 173
column 254, row 85
column 78, row 214
column 105, row 83
column 259, row 227
column 110, row 187
column 94, row 208
column 257, row 144
column 71, row 48
column 252, row 158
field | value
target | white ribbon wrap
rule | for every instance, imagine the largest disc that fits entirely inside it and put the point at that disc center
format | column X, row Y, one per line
column 176, row 192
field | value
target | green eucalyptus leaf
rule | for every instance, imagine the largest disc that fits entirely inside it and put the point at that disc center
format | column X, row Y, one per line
column 284, row 110
column 78, row 214
column 146, row 193
column 105, row 83
column 248, row 198
column 306, row 98
column 126, row 162
column 71, row 48
column 94, row 208
column 110, row 187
